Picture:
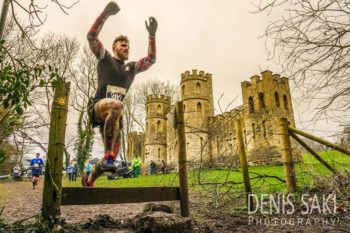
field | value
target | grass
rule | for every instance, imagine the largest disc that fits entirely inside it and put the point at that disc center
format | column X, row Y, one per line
column 306, row 172
column 141, row 181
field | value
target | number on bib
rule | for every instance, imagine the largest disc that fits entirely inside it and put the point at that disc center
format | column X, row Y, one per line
column 115, row 92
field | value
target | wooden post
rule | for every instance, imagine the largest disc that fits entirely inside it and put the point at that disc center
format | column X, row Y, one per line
column 324, row 163
column 244, row 164
column 319, row 140
column 180, row 130
column 287, row 156
column 54, row 162
column 4, row 10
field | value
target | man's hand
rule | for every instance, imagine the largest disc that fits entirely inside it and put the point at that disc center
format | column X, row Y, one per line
column 111, row 9
column 151, row 26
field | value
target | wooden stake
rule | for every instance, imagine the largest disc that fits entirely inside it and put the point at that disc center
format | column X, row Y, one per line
column 54, row 162
column 324, row 163
column 244, row 164
column 180, row 129
column 287, row 156
column 4, row 11
column 319, row 140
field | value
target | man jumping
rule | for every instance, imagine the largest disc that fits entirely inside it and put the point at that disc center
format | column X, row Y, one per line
column 114, row 79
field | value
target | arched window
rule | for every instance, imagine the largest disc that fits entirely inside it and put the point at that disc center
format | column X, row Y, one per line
column 146, row 126
column 262, row 100
column 251, row 104
column 264, row 128
column 159, row 109
column 218, row 145
column 254, row 130
column 158, row 153
column 183, row 89
column 285, row 101
column 159, row 127
column 199, row 109
column 198, row 88
column 277, row 99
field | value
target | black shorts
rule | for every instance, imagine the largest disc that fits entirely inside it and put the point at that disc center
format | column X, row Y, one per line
column 90, row 111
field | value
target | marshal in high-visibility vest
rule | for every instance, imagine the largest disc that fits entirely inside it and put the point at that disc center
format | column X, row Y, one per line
column 136, row 164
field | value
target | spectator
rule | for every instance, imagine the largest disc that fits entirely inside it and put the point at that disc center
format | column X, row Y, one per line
column 75, row 170
column 16, row 171
column 88, row 167
column 153, row 168
column 163, row 167
column 136, row 164
column 70, row 171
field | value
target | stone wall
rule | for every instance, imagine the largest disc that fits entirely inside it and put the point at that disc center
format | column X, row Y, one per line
column 211, row 139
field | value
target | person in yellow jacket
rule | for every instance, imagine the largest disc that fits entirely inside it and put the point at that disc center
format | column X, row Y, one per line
column 136, row 164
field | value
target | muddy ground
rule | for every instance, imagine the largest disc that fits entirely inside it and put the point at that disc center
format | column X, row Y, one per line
column 21, row 202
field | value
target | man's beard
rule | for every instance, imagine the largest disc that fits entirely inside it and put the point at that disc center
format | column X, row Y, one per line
column 122, row 56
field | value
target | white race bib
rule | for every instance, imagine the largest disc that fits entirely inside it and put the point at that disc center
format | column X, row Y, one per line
column 115, row 92
column 36, row 165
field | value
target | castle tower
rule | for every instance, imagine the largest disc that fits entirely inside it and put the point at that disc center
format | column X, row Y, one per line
column 155, row 135
column 197, row 97
column 265, row 99
column 172, row 149
column 135, row 145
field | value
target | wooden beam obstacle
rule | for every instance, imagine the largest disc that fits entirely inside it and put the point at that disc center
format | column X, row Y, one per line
column 93, row 196
column 90, row 196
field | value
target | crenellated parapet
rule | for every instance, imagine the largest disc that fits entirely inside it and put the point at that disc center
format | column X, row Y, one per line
column 158, row 99
column 135, row 134
column 201, row 75
column 226, row 116
column 266, row 76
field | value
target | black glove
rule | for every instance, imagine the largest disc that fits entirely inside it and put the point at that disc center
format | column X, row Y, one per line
column 111, row 9
column 152, row 26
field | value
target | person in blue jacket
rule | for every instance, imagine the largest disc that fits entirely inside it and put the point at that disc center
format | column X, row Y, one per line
column 70, row 171
column 36, row 165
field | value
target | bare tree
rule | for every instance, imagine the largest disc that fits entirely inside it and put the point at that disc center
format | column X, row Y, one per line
column 60, row 52
column 135, row 101
column 35, row 12
column 312, row 40
column 345, row 137
column 84, row 86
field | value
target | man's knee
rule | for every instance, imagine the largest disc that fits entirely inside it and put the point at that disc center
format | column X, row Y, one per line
column 111, row 104
column 117, row 108
column 110, row 107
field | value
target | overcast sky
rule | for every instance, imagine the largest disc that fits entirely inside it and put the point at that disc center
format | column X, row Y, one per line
column 220, row 37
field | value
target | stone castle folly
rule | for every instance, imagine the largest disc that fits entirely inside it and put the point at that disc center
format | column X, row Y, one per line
column 211, row 139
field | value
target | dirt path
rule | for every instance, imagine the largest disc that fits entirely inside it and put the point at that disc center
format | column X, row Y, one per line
column 21, row 201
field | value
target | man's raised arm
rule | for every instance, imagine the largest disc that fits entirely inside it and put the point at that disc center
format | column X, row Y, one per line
column 146, row 62
column 92, row 36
